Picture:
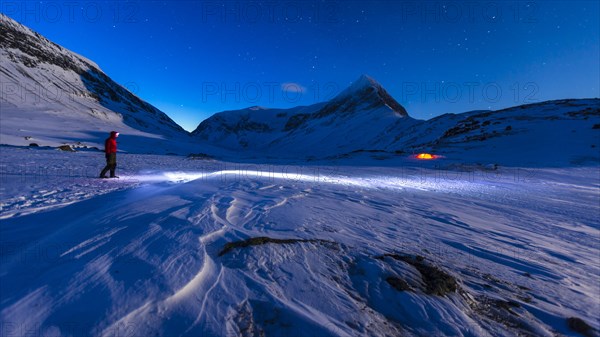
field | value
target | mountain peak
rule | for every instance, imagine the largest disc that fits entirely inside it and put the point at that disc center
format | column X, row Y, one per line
column 368, row 93
column 364, row 81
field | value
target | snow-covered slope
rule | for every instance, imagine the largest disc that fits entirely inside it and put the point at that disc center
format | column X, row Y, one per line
column 252, row 128
column 52, row 96
column 246, row 250
column 553, row 133
column 346, row 123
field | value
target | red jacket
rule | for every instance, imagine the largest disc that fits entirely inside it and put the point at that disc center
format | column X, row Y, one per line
column 110, row 145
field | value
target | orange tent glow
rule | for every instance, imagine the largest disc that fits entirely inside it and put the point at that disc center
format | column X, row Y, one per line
column 426, row 156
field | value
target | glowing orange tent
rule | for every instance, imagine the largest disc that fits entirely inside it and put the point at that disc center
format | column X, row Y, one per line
column 426, row 156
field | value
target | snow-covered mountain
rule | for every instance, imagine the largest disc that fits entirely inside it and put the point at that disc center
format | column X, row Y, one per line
column 365, row 122
column 52, row 96
column 346, row 123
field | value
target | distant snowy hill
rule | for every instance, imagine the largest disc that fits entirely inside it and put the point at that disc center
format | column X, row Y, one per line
column 347, row 123
column 364, row 122
column 252, row 128
column 51, row 96
column 553, row 133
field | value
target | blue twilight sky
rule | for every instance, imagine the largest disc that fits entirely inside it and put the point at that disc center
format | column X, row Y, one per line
column 194, row 58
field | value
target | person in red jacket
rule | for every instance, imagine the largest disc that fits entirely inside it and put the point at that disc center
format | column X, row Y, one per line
column 110, row 152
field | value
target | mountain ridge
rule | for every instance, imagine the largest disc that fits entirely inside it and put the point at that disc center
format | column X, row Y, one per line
column 556, row 132
column 68, row 92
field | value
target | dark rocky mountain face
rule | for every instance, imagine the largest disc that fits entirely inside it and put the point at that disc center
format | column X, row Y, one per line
column 366, row 94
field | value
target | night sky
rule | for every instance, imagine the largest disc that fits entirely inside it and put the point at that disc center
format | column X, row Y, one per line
column 194, row 58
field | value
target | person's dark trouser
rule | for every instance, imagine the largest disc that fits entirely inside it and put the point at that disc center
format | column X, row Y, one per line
column 111, row 164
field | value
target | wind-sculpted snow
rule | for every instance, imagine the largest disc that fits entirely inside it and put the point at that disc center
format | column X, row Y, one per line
column 181, row 247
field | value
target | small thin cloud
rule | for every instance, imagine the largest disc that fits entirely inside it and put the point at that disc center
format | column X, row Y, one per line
column 293, row 87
